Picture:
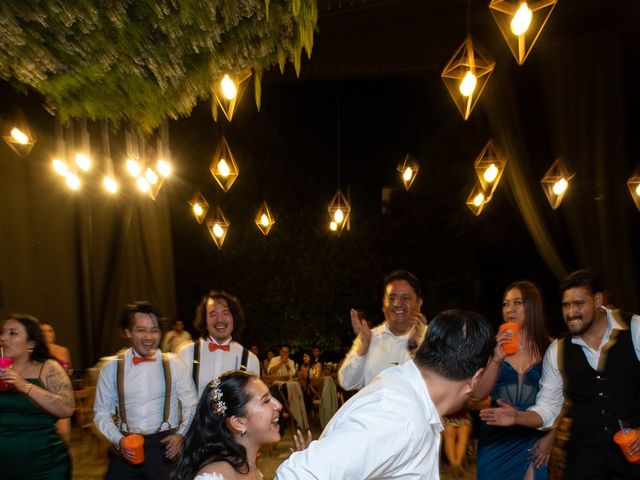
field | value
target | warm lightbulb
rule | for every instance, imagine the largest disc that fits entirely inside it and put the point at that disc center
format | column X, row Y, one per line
column 151, row 176
column 560, row 186
column 60, row 167
column 338, row 216
column 133, row 167
column 19, row 136
column 333, row 226
column 264, row 220
column 197, row 209
column 477, row 201
column 223, row 168
column 143, row 185
column 521, row 20
column 638, row 190
column 83, row 162
column 490, row 173
column 73, row 181
column 110, row 184
column 408, row 173
column 229, row 89
column 164, row 168
column 468, row 84
column 217, row 230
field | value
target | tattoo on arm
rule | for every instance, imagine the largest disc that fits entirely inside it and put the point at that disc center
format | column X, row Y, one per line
column 58, row 385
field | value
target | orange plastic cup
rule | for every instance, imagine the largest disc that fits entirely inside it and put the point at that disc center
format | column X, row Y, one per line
column 624, row 438
column 511, row 346
column 135, row 442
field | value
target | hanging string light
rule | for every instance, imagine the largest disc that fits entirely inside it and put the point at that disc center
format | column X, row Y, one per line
column 489, row 166
column 199, row 207
column 556, row 182
column 408, row 170
column 223, row 166
column 264, row 219
column 477, row 199
column 18, row 136
column 227, row 93
column 521, row 23
column 218, row 227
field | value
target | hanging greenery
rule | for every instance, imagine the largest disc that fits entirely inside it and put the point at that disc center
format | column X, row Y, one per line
column 145, row 60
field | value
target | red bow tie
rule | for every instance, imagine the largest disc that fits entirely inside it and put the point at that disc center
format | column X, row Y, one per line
column 214, row 346
column 137, row 360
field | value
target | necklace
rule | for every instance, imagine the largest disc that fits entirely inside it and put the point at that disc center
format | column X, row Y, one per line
column 522, row 347
column 255, row 467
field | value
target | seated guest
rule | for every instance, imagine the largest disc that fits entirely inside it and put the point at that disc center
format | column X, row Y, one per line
column 267, row 359
column 175, row 337
column 282, row 365
column 145, row 391
column 236, row 416
column 392, row 427
column 34, row 393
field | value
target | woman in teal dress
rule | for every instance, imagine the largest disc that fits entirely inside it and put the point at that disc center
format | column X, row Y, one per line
column 38, row 392
column 515, row 453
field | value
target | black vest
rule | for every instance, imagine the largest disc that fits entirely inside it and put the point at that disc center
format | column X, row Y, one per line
column 599, row 398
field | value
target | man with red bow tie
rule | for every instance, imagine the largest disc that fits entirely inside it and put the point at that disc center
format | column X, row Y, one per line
column 218, row 316
column 148, row 392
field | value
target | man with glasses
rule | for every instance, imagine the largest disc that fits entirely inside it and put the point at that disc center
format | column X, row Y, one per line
column 388, row 344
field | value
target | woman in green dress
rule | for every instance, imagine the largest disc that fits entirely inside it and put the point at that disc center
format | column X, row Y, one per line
column 36, row 392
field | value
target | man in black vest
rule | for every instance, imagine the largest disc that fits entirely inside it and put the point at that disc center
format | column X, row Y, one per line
column 597, row 367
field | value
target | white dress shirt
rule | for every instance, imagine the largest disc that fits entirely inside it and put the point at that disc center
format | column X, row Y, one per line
column 551, row 395
column 390, row 429
column 288, row 368
column 144, row 395
column 385, row 350
column 213, row 364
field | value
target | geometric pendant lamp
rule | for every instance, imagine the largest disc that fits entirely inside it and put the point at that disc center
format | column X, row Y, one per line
column 477, row 199
column 227, row 93
column 199, row 207
column 264, row 219
column 555, row 182
column 489, row 166
column 521, row 23
column 223, row 166
column 408, row 170
column 339, row 210
column 218, row 227
column 634, row 187
column 19, row 138
column 466, row 75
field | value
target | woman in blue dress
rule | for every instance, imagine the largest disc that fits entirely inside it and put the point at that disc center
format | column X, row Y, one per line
column 515, row 453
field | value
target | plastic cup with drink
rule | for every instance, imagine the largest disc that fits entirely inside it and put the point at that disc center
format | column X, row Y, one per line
column 5, row 362
column 511, row 345
column 624, row 438
column 135, row 442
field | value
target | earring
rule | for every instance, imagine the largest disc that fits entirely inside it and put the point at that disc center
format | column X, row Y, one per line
column 243, row 432
column 30, row 350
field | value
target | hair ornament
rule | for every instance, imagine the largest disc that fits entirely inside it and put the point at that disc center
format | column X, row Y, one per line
column 218, row 405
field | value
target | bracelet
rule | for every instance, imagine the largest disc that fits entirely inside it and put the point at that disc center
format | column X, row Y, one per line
column 28, row 388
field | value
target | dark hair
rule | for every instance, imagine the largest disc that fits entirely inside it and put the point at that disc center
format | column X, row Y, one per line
column 534, row 319
column 407, row 277
column 34, row 334
column 583, row 278
column 141, row 306
column 458, row 343
column 208, row 439
column 200, row 322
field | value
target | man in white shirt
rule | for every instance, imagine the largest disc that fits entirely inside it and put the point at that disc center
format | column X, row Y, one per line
column 387, row 344
column 218, row 316
column 150, row 393
column 391, row 428
column 282, row 365
column 598, row 367
column 175, row 337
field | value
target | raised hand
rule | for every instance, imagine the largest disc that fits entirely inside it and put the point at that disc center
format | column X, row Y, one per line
column 362, row 330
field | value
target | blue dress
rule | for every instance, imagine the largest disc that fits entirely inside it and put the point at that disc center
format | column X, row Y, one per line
column 503, row 452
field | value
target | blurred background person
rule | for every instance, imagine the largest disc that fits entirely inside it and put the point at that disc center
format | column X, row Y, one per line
column 38, row 392
column 175, row 337
column 282, row 365
column 516, row 452
column 457, row 430
column 267, row 359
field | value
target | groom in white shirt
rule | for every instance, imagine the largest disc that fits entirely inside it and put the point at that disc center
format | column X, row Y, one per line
column 391, row 428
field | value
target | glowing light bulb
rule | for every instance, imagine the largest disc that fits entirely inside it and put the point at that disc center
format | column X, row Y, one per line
column 217, row 230
column 143, row 185
column 333, row 226
column 638, row 190
column 133, row 167
column 491, row 173
column 338, row 216
column 164, row 168
column 560, row 186
column 408, row 173
column 264, row 220
column 83, row 162
column 197, row 210
column 60, row 167
column 228, row 87
column 223, row 168
column 151, row 176
column 478, row 199
column 468, row 84
column 19, row 136
column 72, row 181
column 521, row 20
column 110, row 184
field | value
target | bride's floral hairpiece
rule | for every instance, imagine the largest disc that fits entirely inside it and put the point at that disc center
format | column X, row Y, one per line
column 218, row 405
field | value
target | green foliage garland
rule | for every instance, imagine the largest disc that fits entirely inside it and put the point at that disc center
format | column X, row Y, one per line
column 145, row 60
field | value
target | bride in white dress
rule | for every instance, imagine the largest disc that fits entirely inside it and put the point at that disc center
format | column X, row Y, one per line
column 236, row 416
